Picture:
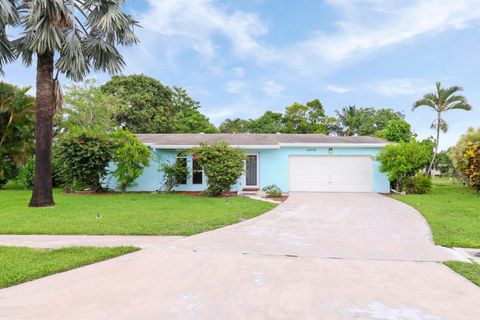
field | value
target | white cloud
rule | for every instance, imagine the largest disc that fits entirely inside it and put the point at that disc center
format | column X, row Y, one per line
column 370, row 25
column 336, row 89
column 272, row 88
column 234, row 86
column 198, row 22
column 397, row 87
column 365, row 26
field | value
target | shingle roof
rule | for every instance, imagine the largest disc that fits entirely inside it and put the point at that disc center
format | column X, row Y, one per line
column 247, row 139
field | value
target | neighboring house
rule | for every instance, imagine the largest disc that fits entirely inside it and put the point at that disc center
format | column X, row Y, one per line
column 294, row 162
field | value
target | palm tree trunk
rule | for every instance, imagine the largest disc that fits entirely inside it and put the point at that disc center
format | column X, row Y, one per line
column 42, row 191
column 430, row 167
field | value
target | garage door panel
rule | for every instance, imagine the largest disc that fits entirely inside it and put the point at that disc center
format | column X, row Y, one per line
column 331, row 173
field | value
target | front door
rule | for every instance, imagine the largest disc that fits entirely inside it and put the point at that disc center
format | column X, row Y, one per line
column 251, row 175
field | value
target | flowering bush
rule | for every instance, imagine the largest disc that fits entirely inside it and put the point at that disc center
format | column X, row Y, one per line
column 471, row 165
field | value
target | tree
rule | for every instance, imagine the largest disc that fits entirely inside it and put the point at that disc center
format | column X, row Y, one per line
column 396, row 131
column 443, row 163
column 150, row 108
column 443, row 100
column 308, row 118
column 456, row 152
column 234, row 126
column 188, row 118
column 222, row 164
column 155, row 108
column 130, row 157
column 86, row 106
column 16, row 125
column 356, row 121
column 269, row 122
column 84, row 35
column 403, row 160
column 345, row 117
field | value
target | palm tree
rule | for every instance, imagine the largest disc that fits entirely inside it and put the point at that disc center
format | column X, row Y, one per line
column 345, row 117
column 443, row 100
column 70, row 37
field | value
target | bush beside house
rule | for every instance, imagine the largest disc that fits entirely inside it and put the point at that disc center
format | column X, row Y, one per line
column 403, row 161
column 222, row 164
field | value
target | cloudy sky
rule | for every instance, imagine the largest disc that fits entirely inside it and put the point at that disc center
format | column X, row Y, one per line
column 241, row 58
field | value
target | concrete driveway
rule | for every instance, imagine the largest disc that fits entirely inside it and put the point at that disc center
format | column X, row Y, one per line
column 317, row 256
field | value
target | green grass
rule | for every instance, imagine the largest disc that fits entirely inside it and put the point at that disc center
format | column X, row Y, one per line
column 127, row 214
column 453, row 212
column 471, row 271
column 20, row 264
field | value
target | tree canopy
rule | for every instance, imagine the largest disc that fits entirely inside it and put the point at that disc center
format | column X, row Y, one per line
column 16, row 129
column 365, row 121
column 152, row 107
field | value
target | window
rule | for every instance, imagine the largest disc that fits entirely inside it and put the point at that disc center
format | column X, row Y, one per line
column 197, row 172
column 182, row 161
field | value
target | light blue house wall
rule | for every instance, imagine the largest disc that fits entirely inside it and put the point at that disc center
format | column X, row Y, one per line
column 272, row 168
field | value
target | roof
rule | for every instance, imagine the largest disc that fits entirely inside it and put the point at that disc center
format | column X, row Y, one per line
column 250, row 140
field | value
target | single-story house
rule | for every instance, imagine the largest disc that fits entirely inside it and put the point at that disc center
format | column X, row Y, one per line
column 294, row 162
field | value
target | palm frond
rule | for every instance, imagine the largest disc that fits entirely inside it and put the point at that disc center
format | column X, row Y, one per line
column 102, row 55
column 84, row 34
column 446, row 93
column 9, row 13
column 107, row 18
column 463, row 105
column 428, row 100
column 72, row 61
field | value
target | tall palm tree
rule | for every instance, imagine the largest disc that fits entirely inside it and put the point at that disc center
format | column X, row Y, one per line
column 71, row 37
column 443, row 100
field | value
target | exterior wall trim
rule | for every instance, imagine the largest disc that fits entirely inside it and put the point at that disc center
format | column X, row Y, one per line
column 336, row 145
column 278, row 146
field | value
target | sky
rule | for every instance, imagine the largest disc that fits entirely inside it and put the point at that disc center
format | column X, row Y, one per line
column 241, row 58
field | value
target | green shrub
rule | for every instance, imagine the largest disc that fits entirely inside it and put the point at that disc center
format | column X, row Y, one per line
column 404, row 159
column 26, row 174
column 174, row 174
column 222, row 164
column 130, row 157
column 418, row 184
column 471, row 165
column 272, row 191
column 81, row 158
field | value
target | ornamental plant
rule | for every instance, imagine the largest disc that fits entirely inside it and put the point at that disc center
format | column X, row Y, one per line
column 272, row 191
column 82, row 157
column 222, row 164
column 471, row 165
column 130, row 157
column 403, row 160
column 174, row 174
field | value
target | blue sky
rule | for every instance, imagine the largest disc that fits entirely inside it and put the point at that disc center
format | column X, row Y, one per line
column 241, row 58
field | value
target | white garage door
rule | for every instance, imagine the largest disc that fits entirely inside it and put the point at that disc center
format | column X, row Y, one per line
column 330, row 173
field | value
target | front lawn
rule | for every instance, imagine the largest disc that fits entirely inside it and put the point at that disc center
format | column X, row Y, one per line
column 127, row 214
column 20, row 264
column 471, row 271
column 453, row 212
